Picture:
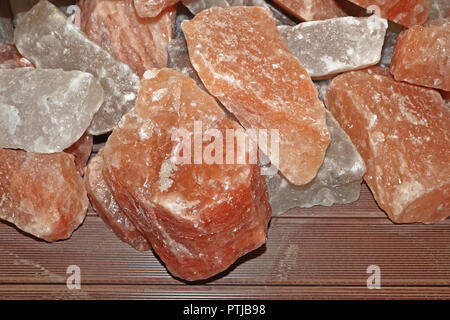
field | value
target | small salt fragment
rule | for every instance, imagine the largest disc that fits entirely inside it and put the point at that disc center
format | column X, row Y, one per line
column 332, row 46
column 46, row 37
column 439, row 9
column 422, row 55
column 81, row 151
column 405, row 12
column 10, row 58
column 46, row 110
column 41, row 194
column 141, row 43
column 337, row 182
column 152, row 8
column 242, row 60
column 107, row 208
column 401, row 131
column 310, row 10
column 390, row 40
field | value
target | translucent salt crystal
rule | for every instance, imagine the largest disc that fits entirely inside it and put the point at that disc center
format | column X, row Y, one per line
column 46, row 110
column 311, row 10
column 332, row 46
column 337, row 182
column 46, row 37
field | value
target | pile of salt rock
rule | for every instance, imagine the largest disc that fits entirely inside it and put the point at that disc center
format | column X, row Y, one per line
column 143, row 69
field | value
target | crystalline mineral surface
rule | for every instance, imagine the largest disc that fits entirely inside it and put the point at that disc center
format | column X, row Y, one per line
column 199, row 218
column 42, row 194
column 264, row 86
column 439, row 9
column 139, row 42
column 310, row 10
column 336, row 45
column 405, row 12
column 422, row 55
column 152, row 8
column 338, row 181
column 401, row 131
column 46, row 110
column 10, row 58
column 81, row 151
column 107, row 208
column 46, row 37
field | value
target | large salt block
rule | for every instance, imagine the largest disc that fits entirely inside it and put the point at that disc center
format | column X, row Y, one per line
column 332, row 46
column 81, row 151
column 242, row 60
column 139, row 42
column 310, row 10
column 107, row 208
column 405, row 12
column 48, row 38
column 152, row 8
column 199, row 218
column 422, row 55
column 46, row 110
column 10, row 58
column 41, row 194
column 401, row 131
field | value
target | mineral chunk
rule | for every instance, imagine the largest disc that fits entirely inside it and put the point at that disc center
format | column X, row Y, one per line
column 310, row 10
column 46, row 110
column 41, row 194
column 422, row 55
column 46, row 37
column 10, row 58
column 199, row 218
column 81, row 151
column 106, row 206
column 152, row 8
column 338, row 181
column 139, row 42
column 351, row 43
column 405, row 12
column 264, row 86
column 401, row 131
column 439, row 9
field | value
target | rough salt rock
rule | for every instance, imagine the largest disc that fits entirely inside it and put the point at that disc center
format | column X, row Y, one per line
column 46, row 110
column 265, row 87
column 81, row 151
column 405, row 12
column 390, row 41
column 333, row 46
column 41, row 194
column 338, row 181
column 139, row 42
column 439, row 9
column 310, row 10
column 10, row 58
column 196, row 6
column 401, row 131
column 152, row 8
column 422, row 55
column 105, row 205
column 46, row 37
column 199, row 218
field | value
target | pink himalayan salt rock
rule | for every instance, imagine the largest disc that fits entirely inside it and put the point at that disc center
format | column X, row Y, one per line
column 311, row 10
column 401, row 131
column 264, row 86
column 152, row 8
column 405, row 12
column 199, row 218
column 422, row 55
column 81, row 150
column 139, row 42
column 41, row 194
column 10, row 58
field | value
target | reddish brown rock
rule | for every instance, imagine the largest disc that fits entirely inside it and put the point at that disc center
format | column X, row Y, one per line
column 401, row 131
column 107, row 208
column 199, row 218
column 81, row 150
column 10, row 58
column 310, row 10
column 139, row 42
column 405, row 12
column 152, row 8
column 422, row 55
column 264, row 86
column 42, row 194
